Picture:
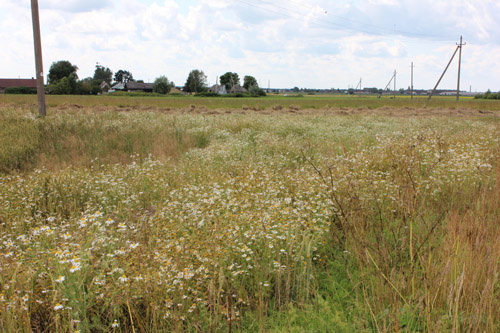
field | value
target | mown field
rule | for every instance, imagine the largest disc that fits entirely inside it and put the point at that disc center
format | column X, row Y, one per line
column 262, row 103
column 277, row 214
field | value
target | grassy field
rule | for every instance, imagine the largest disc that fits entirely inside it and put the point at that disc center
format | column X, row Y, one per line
column 116, row 215
column 305, row 102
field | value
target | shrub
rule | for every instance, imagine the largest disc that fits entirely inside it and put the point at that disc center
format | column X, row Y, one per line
column 20, row 90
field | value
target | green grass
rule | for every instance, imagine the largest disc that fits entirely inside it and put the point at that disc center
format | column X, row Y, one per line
column 306, row 102
column 159, row 221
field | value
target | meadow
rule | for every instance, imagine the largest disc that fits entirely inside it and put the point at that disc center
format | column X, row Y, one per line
column 281, row 214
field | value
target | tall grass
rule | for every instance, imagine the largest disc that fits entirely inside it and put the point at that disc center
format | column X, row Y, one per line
column 146, row 221
column 78, row 138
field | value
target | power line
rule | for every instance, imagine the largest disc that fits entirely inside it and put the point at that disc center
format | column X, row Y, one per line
column 355, row 21
column 329, row 24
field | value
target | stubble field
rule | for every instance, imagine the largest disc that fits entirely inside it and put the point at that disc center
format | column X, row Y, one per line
column 275, row 214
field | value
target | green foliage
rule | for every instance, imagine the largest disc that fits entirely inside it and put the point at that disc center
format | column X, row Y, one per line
column 254, row 90
column 249, row 81
column 102, row 73
column 196, row 82
column 162, row 85
column 61, row 69
column 20, row 90
column 229, row 80
column 123, row 76
column 208, row 94
column 137, row 94
column 488, row 95
column 65, row 86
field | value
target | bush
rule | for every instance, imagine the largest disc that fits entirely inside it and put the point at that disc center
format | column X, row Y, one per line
column 207, row 94
column 488, row 95
column 162, row 85
column 20, row 90
column 135, row 94
column 256, row 91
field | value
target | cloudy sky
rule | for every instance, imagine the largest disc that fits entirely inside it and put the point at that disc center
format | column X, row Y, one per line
column 304, row 43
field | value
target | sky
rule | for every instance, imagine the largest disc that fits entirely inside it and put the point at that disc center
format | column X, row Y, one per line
column 303, row 43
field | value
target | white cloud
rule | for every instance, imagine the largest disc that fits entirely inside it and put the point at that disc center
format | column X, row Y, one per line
column 75, row 5
column 305, row 43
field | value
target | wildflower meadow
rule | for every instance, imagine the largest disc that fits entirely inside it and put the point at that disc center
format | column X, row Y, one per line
column 150, row 221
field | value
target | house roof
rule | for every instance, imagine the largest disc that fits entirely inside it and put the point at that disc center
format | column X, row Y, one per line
column 8, row 83
column 138, row 86
column 237, row 88
column 118, row 86
column 219, row 89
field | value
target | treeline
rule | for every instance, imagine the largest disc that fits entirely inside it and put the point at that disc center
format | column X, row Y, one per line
column 488, row 95
column 62, row 79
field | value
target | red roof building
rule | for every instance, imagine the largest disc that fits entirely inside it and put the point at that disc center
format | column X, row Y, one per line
column 9, row 83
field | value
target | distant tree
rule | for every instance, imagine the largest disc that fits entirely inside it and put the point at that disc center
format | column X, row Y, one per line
column 196, row 82
column 249, row 81
column 123, row 76
column 254, row 90
column 229, row 80
column 61, row 69
column 295, row 89
column 162, row 85
column 65, row 86
column 373, row 90
column 102, row 73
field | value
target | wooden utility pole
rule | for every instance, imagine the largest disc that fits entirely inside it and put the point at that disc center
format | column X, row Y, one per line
column 459, row 47
column 359, row 83
column 411, row 86
column 388, row 84
column 459, row 65
column 394, row 83
column 38, row 59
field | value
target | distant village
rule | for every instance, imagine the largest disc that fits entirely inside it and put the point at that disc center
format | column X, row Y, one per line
column 62, row 78
column 134, row 86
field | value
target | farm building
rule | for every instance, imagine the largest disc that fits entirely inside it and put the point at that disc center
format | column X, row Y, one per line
column 237, row 89
column 104, row 86
column 15, row 83
column 218, row 89
column 133, row 86
column 137, row 86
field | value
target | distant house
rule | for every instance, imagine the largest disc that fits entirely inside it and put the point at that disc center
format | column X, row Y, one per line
column 117, row 87
column 237, row 89
column 104, row 86
column 137, row 86
column 132, row 86
column 218, row 89
column 11, row 83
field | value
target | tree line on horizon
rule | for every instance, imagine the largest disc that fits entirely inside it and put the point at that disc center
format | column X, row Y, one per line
column 62, row 79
